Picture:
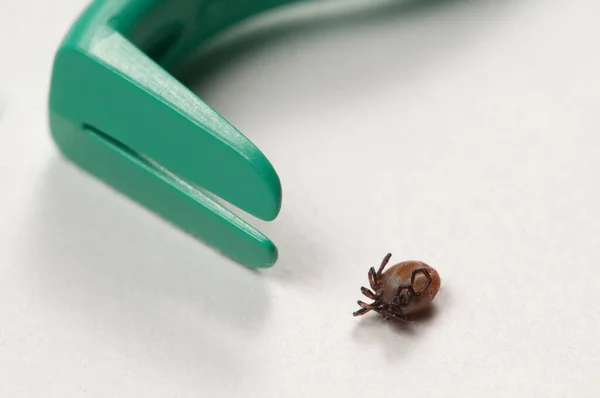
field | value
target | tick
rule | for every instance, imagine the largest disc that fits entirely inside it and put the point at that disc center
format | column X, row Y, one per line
column 404, row 289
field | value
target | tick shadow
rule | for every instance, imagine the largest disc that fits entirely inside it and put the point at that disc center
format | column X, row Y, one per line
column 396, row 338
column 98, row 258
column 409, row 328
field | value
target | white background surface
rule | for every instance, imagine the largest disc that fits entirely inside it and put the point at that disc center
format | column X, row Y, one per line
column 464, row 134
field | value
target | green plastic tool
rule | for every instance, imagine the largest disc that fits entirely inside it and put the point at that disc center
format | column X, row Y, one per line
column 118, row 113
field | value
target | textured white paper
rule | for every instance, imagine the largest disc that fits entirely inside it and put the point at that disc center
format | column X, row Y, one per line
column 462, row 133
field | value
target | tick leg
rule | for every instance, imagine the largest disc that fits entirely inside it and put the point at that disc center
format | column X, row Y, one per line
column 365, row 305
column 393, row 313
column 403, row 295
column 373, row 280
column 376, row 306
column 362, row 311
column 374, row 276
column 398, row 317
column 390, row 316
column 368, row 293
column 427, row 276
column 381, row 308
column 385, row 261
column 366, row 308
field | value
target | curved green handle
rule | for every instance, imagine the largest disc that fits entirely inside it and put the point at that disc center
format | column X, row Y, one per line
column 117, row 112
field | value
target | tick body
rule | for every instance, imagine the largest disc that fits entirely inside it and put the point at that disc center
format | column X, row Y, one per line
column 404, row 289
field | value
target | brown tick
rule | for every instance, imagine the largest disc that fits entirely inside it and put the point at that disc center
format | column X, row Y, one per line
column 404, row 289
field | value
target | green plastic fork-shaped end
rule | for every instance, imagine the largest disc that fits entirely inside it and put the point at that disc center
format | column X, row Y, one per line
column 116, row 112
